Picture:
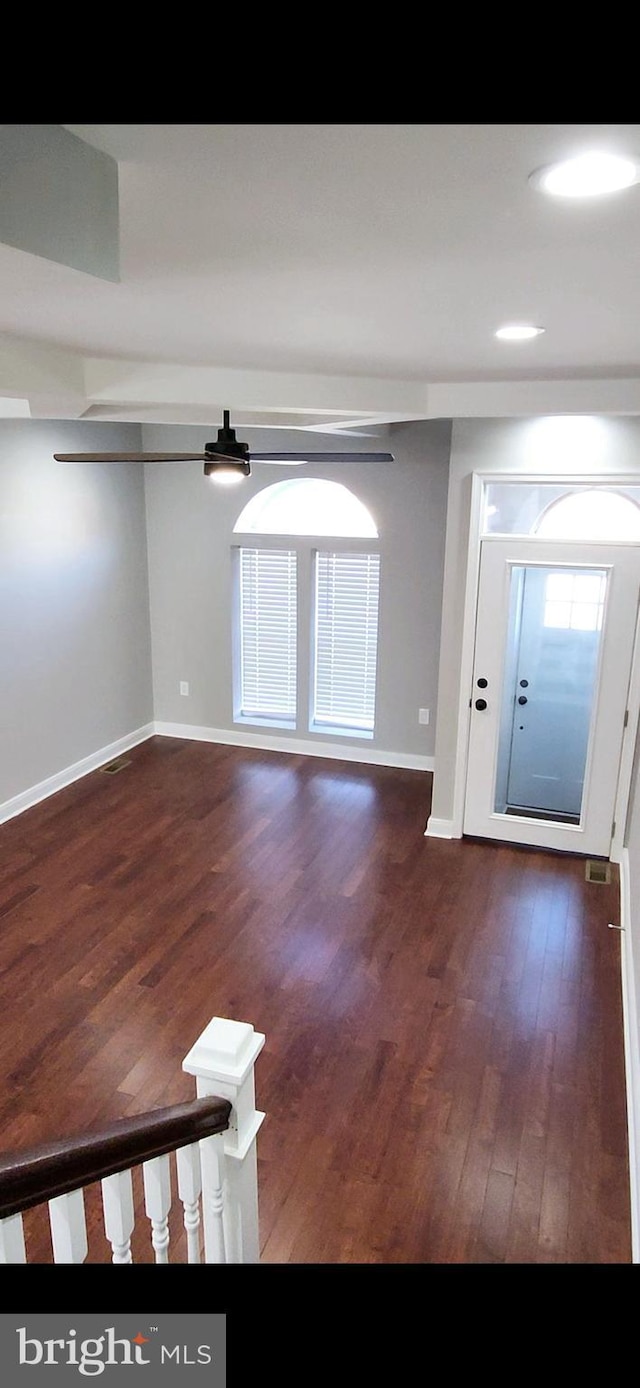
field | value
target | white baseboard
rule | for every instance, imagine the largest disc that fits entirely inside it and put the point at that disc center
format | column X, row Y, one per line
column 19, row 803
column 631, row 1049
column 334, row 750
column 439, row 829
column 371, row 755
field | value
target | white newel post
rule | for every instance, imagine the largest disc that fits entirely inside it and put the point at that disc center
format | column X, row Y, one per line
column 222, row 1061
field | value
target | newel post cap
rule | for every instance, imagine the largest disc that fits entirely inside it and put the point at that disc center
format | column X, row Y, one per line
column 225, row 1051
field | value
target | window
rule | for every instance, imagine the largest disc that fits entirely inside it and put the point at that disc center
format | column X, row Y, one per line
column 552, row 511
column 306, row 506
column 574, row 601
column 593, row 515
column 346, row 640
column 267, row 628
column 306, row 616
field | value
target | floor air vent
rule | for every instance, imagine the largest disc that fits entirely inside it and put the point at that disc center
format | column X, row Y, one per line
column 113, row 767
column 597, row 872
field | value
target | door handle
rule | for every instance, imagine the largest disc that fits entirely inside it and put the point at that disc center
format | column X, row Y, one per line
column 481, row 704
column 522, row 699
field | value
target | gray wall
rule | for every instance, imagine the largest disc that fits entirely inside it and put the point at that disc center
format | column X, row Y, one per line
column 59, row 198
column 75, row 668
column 190, row 524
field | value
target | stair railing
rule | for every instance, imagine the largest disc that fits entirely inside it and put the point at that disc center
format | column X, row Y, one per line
column 214, row 1140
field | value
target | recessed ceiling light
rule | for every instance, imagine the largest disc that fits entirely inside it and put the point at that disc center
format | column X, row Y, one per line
column 588, row 175
column 518, row 332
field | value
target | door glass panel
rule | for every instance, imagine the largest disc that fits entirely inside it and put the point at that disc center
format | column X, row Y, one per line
column 551, row 667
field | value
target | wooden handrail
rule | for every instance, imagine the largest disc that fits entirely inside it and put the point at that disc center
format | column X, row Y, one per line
column 39, row 1174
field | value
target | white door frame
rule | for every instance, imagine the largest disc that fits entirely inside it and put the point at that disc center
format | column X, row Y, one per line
column 478, row 482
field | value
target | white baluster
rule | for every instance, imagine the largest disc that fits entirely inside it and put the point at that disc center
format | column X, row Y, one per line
column 117, row 1203
column 68, row 1227
column 157, row 1203
column 223, row 1060
column 12, row 1249
column 212, row 1156
column 189, row 1188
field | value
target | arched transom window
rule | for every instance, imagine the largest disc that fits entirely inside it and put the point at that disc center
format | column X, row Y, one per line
column 306, row 506
column 590, row 515
column 555, row 511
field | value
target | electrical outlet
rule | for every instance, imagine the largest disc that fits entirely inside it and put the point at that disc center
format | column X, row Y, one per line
column 184, row 686
column 423, row 715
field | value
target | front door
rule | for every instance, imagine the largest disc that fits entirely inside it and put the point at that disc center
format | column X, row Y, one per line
column 554, row 641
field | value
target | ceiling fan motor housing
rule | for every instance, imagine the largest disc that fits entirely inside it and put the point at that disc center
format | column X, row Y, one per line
column 226, row 446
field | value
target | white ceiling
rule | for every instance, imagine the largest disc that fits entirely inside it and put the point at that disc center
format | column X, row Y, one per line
column 303, row 274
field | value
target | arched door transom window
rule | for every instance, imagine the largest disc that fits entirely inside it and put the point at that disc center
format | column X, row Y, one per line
column 590, row 515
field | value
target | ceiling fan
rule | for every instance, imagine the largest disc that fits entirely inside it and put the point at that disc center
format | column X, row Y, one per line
column 226, row 458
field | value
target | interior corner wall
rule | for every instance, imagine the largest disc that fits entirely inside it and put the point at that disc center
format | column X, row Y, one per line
column 75, row 663
column 190, row 524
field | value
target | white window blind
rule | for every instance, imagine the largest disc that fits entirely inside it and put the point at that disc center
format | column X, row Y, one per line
column 268, row 628
column 346, row 640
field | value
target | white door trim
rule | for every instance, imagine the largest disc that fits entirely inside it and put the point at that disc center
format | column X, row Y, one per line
column 478, row 481
column 468, row 651
column 627, row 752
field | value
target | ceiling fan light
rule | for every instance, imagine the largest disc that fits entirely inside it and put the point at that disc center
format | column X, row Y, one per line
column 227, row 472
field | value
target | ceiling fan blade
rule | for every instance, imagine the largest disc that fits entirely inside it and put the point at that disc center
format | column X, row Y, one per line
column 130, row 457
column 313, row 457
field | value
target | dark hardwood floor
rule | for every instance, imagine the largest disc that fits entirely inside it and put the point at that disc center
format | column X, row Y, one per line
column 443, row 1071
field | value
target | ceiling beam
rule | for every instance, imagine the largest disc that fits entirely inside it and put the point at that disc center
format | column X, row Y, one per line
column 48, row 382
